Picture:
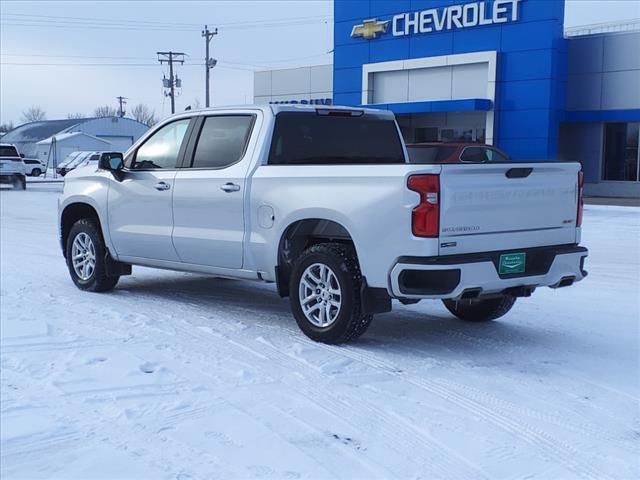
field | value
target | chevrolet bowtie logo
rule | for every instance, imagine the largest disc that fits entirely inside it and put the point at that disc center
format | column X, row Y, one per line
column 369, row 29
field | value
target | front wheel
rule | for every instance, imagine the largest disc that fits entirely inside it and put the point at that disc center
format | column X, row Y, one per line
column 36, row 172
column 325, row 294
column 86, row 258
column 480, row 309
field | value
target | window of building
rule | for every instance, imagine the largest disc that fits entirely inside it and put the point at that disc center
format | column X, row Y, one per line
column 162, row 148
column 222, row 141
column 621, row 161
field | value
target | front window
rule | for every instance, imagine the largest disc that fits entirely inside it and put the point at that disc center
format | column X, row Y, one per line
column 621, row 162
column 162, row 148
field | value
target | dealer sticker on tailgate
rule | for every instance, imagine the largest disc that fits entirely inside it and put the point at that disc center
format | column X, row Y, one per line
column 512, row 263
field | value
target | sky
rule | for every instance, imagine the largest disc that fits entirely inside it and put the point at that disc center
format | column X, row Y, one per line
column 69, row 57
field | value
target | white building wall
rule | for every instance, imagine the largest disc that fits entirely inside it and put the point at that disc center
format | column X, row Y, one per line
column 304, row 84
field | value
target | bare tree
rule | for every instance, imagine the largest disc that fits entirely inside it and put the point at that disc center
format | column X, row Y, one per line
column 144, row 114
column 105, row 111
column 33, row 114
column 5, row 127
column 73, row 116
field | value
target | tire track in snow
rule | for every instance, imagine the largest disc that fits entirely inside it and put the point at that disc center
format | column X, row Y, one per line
column 551, row 446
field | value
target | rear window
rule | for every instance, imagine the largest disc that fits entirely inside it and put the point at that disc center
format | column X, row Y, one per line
column 8, row 152
column 307, row 138
column 428, row 155
column 482, row 155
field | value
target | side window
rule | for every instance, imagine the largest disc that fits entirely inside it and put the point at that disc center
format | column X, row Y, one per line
column 474, row 155
column 222, row 141
column 162, row 148
column 496, row 156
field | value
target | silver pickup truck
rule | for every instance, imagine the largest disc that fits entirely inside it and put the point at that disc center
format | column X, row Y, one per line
column 323, row 202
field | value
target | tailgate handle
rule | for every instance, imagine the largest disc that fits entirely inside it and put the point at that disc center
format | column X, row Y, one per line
column 518, row 172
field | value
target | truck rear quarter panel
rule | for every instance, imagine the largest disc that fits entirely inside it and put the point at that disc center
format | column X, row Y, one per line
column 370, row 201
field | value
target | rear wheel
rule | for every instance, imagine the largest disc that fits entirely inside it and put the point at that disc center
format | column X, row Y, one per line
column 479, row 309
column 20, row 183
column 325, row 294
column 86, row 258
column 36, row 172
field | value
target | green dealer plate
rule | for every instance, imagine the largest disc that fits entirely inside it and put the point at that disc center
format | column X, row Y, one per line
column 512, row 263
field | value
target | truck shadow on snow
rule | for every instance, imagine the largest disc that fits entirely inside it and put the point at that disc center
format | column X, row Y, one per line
column 422, row 327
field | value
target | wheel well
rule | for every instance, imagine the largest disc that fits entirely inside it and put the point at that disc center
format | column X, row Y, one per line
column 70, row 215
column 298, row 237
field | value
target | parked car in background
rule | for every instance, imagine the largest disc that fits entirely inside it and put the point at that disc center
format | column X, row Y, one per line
column 323, row 202
column 12, row 168
column 34, row 167
column 75, row 160
column 428, row 153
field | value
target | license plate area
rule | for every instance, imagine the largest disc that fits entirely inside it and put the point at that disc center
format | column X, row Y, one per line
column 512, row 263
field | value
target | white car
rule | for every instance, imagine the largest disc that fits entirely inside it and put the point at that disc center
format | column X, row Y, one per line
column 34, row 167
column 323, row 202
column 12, row 168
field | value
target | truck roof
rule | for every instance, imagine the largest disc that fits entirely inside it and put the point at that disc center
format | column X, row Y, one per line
column 276, row 108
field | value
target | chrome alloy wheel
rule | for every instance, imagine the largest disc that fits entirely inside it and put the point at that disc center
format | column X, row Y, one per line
column 320, row 295
column 83, row 256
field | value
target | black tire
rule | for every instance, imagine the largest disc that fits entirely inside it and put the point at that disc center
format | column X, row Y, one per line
column 20, row 183
column 98, row 281
column 36, row 172
column 351, row 322
column 479, row 309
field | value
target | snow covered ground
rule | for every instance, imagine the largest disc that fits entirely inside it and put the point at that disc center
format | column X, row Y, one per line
column 182, row 376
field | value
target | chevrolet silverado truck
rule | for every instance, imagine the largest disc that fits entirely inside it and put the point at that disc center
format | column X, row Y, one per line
column 324, row 203
column 12, row 168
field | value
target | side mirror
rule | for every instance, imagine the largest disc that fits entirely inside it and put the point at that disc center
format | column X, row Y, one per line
column 113, row 162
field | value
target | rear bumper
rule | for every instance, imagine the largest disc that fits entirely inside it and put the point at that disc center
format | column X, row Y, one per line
column 470, row 275
column 11, row 177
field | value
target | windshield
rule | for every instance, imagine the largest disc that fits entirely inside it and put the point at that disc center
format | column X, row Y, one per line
column 79, row 159
column 68, row 159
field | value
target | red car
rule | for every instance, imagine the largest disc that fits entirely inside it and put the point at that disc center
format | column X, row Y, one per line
column 455, row 153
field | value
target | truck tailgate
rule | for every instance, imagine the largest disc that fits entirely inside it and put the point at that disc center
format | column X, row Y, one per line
column 488, row 207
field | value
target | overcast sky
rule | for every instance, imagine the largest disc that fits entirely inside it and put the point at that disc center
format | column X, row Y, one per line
column 115, row 43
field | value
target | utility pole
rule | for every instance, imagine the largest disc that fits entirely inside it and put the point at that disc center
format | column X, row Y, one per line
column 174, row 81
column 209, row 63
column 122, row 102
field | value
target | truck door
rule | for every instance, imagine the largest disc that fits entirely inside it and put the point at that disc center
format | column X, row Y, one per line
column 140, row 205
column 208, row 198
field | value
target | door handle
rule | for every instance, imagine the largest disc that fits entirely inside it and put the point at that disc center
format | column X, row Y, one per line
column 162, row 186
column 230, row 187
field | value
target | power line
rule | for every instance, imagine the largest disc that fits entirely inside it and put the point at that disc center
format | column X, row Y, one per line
column 120, row 21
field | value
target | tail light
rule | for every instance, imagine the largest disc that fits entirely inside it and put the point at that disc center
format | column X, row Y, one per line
column 580, row 198
column 425, row 218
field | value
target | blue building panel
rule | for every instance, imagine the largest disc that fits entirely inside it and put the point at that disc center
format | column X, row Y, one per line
column 531, row 55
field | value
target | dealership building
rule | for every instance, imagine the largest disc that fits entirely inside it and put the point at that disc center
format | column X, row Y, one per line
column 503, row 72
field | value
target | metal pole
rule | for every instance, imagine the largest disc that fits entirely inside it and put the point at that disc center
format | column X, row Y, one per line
column 172, row 84
column 208, row 64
